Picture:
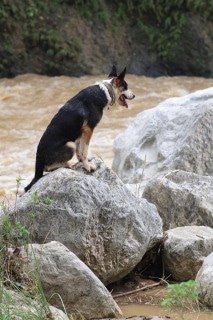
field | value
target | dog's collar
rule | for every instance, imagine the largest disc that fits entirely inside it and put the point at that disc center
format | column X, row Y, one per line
column 111, row 92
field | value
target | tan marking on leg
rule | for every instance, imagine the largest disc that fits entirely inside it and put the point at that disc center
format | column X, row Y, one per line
column 77, row 143
column 86, row 134
column 83, row 146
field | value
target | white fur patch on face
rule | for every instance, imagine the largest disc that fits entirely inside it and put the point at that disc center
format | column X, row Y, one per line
column 129, row 94
column 125, row 95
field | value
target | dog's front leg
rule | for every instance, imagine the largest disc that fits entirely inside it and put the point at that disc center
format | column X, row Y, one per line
column 82, row 148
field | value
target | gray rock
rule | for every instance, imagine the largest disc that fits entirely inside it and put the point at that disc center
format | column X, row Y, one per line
column 66, row 279
column 182, row 198
column 17, row 306
column 95, row 216
column 177, row 134
column 185, row 249
column 205, row 278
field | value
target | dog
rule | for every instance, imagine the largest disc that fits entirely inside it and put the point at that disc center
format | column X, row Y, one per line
column 72, row 127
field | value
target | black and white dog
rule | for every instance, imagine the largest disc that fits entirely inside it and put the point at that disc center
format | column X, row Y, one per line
column 71, row 128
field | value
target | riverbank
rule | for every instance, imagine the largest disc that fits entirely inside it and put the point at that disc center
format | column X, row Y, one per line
column 139, row 296
column 85, row 38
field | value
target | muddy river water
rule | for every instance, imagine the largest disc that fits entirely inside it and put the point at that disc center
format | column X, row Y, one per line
column 150, row 310
column 28, row 102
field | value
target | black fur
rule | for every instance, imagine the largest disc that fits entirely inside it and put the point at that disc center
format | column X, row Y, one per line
column 71, row 128
column 66, row 126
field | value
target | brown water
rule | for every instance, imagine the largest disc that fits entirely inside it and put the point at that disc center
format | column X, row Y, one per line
column 151, row 310
column 27, row 104
column 147, row 303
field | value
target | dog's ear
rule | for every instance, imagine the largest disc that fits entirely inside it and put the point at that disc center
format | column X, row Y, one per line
column 122, row 74
column 113, row 72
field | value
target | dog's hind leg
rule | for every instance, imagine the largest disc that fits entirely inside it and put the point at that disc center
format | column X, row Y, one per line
column 61, row 158
column 82, row 146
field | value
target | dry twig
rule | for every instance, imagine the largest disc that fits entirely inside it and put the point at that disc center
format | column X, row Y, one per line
column 136, row 290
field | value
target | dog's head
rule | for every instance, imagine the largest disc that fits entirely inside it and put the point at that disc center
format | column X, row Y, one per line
column 118, row 82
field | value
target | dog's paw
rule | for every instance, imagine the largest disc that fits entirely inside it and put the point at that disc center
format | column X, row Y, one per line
column 89, row 167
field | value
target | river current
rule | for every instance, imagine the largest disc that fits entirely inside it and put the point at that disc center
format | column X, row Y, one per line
column 28, row 103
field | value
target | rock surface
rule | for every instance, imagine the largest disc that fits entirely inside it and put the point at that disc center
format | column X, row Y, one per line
column 95, row 216
column 205, row 278
column 182, row 198
column 177, row 134
column 16, row 306
column 66, row 278
column 185, row 250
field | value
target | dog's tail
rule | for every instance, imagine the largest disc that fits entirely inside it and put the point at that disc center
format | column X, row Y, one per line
column 39, row 169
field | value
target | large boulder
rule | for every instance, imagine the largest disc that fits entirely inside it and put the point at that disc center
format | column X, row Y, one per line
column 68, row 282
column 182, row 198
column 185, row 250
column 205, row 278
column 177, row 134
column 94, row 215
column 15, row 305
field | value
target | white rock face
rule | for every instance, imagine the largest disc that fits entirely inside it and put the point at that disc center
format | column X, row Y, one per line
column 177, row 134
column 66, row 278
column 182, row 198
column 95, row 216
column 205, row 278
column 185, row 250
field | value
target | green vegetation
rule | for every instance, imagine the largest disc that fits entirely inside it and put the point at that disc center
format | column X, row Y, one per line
column 15, row 235
column 183, row 295
column 38, row 22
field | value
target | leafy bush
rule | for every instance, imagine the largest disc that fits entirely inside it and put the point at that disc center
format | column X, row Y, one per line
column 162, row 21
column 182, row 295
